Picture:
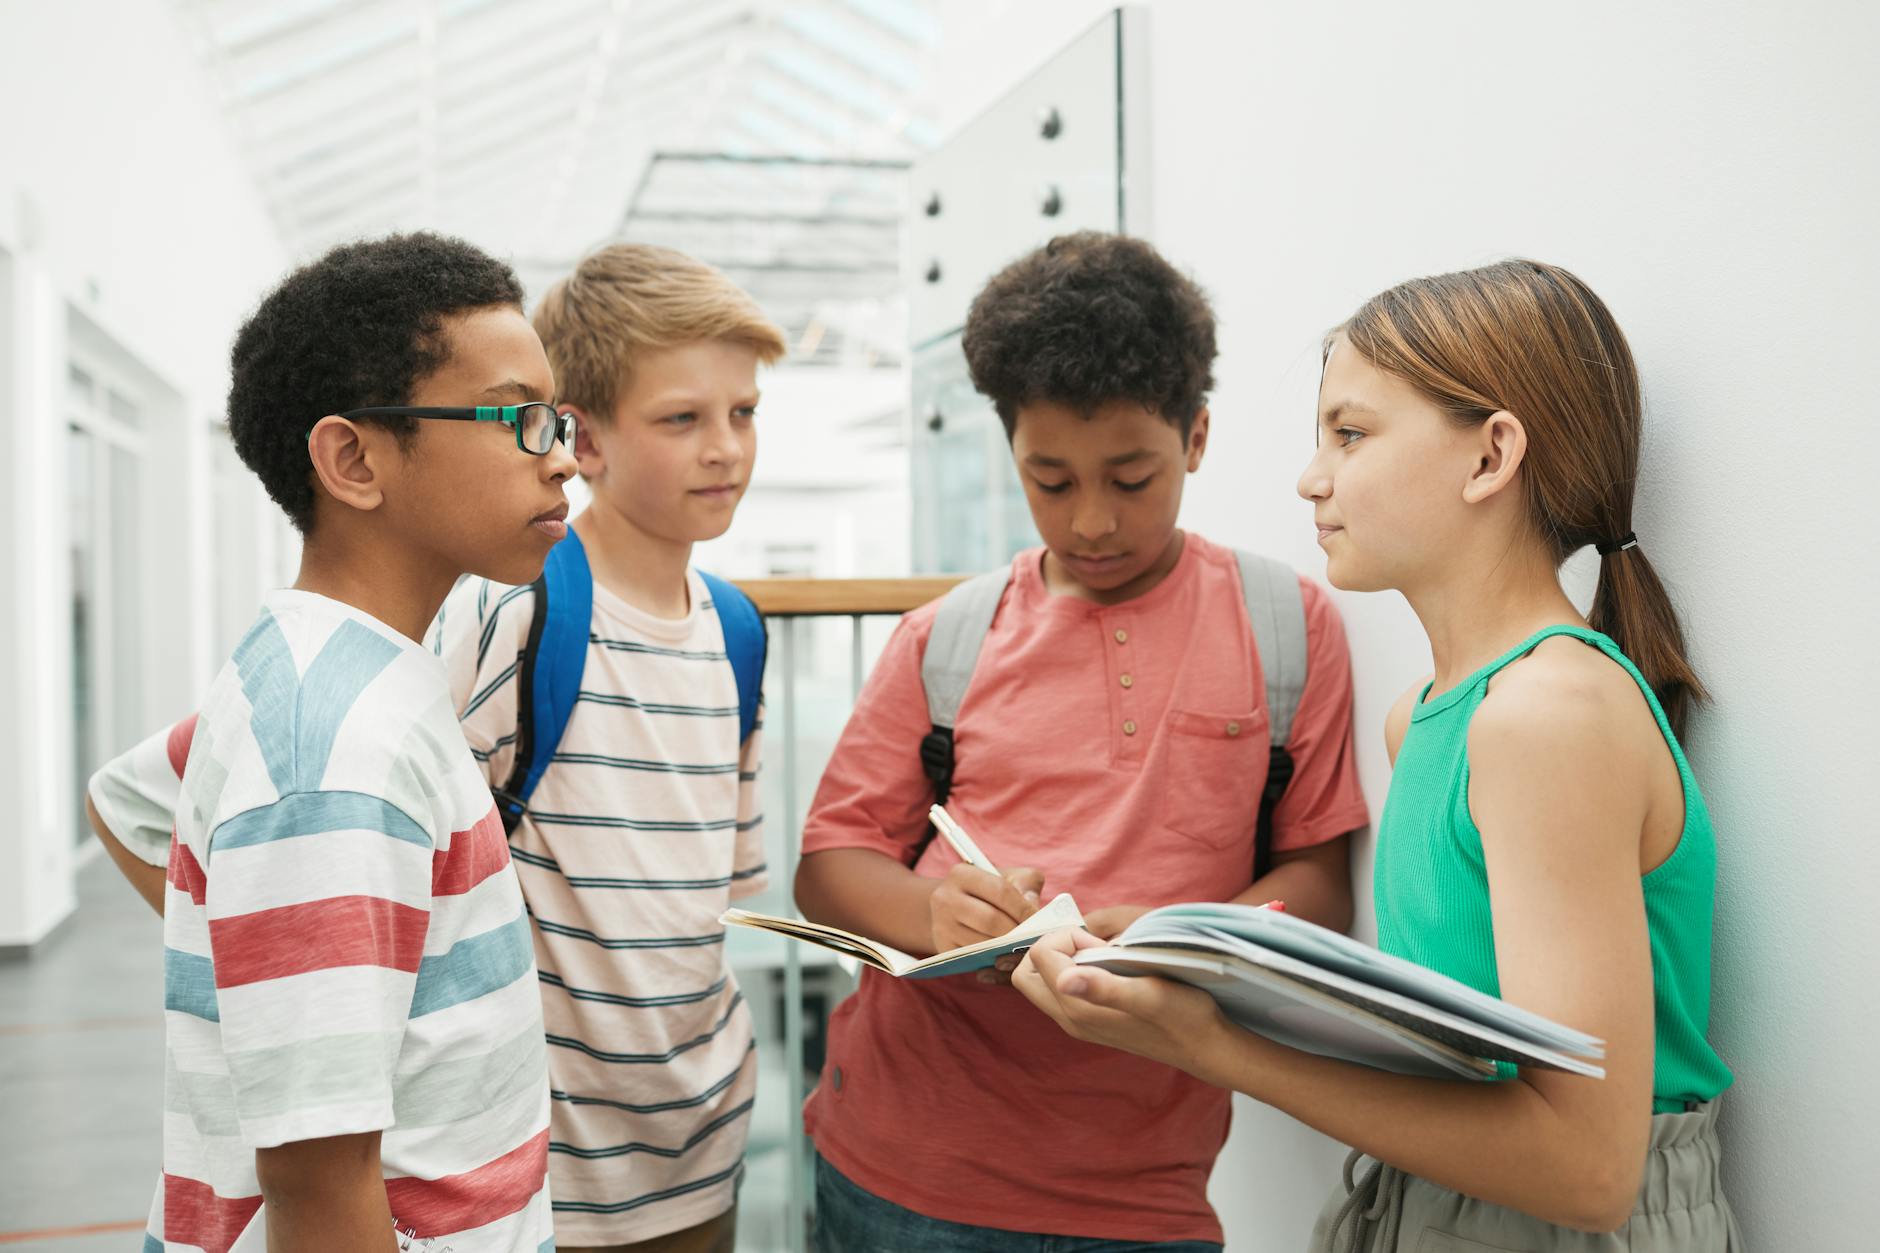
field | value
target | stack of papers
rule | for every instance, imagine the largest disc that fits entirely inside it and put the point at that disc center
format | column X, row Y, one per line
column 1313, row 989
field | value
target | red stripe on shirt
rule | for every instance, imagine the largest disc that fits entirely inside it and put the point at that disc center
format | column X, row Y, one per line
column 193, row 1214
column 177, row 746
column 317, row 935
column 471, row 857
column 186, row 872
column 437, row 1207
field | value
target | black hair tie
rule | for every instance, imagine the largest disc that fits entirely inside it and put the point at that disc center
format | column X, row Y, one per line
column 1608, row 547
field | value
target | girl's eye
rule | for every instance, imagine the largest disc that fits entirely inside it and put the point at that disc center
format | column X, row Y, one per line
column 682, row 419
column 746, row 412
column 1347, row 437
column 1137, row 486
column 1052, row 488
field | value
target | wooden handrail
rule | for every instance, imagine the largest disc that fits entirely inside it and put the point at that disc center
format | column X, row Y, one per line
column 810, row 598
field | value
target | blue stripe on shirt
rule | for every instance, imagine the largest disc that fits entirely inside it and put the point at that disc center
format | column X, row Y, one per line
column 474, row 967
column 189, row 984
column 350, row 659
column 296, row 720
column 314, row 813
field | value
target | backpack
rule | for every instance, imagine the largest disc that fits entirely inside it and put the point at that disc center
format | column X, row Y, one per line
column 1275, row 609
column 548, row 673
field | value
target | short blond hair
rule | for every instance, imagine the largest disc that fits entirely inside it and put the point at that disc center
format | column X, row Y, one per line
column 626, row 298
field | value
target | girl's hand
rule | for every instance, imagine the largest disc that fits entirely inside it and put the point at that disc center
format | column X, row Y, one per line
column 1154, row 1018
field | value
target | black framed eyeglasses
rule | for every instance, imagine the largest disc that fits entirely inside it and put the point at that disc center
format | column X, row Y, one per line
column 538, row 425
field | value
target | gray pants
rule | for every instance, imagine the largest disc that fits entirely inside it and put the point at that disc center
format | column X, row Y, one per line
column 1681, row 1207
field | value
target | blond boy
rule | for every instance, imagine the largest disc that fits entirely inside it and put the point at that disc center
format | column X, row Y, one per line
column 646, row 823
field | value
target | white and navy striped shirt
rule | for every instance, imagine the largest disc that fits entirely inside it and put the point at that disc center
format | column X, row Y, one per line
column 643, row 828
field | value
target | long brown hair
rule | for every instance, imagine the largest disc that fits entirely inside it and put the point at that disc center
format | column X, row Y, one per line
column 1534, row 340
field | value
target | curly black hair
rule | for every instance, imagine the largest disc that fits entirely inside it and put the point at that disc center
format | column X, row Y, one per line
column 360, row 326
column 1091, row 318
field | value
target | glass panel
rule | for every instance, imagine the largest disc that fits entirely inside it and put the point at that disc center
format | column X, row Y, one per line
column 80, row 451
column 959, row 465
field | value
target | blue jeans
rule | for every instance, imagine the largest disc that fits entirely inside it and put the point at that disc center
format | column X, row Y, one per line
column 851, row 1219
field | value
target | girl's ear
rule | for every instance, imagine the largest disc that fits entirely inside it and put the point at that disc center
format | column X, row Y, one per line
column 1500, row 448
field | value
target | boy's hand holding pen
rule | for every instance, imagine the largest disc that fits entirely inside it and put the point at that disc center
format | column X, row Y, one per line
column 978, row 901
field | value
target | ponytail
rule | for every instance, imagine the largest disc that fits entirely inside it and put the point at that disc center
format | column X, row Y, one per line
column 1632, row 608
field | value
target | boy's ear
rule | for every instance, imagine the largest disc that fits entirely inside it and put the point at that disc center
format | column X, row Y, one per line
column 351, row 461
column 588, row 455
column 1500, row 446
column 1197, row 439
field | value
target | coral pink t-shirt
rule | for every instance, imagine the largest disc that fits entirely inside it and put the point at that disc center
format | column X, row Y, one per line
column 1121, row 750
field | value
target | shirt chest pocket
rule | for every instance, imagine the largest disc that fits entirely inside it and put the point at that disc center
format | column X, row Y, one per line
column 1215, row 769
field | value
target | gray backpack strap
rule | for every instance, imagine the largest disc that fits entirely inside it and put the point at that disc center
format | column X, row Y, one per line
column 959, row 629
column 1278, row 614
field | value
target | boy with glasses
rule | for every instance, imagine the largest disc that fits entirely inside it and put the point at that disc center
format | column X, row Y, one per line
column 354, row 1038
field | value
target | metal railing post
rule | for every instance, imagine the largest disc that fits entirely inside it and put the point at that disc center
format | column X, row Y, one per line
column 795, row 1213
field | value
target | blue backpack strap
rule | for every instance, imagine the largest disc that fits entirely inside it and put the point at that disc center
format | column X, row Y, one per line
column 548, row 674
column 745, row 644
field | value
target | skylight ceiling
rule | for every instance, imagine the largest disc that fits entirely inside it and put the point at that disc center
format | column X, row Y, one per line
column 768, row 136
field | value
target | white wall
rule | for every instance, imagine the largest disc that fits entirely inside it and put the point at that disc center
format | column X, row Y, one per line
column 1711, row 171
column 124, row 218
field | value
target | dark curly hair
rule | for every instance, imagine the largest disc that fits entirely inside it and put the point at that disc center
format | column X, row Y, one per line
column 1087, row 319
column 360, row 326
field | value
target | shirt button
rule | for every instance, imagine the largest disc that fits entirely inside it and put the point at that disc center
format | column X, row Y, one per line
column 1233, row 728
column 1126, row 681
column 837, row 1078
column 1129, row 728
column 1122, row 636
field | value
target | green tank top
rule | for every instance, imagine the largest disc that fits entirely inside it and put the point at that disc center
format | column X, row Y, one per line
column 1431, row 888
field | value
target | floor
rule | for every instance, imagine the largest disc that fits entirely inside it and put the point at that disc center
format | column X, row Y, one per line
column 81, row 1076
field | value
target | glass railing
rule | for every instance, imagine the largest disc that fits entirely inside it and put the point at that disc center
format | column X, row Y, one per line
column 815, row 672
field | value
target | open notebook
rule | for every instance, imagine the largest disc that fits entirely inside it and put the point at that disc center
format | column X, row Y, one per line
column 1317, row 990
column 1061, row 912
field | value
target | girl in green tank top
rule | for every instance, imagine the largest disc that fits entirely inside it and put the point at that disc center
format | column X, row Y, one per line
column 1544, row 839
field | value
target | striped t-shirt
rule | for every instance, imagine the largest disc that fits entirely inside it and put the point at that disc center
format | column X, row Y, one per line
column 345, row 946
column 642, row 829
